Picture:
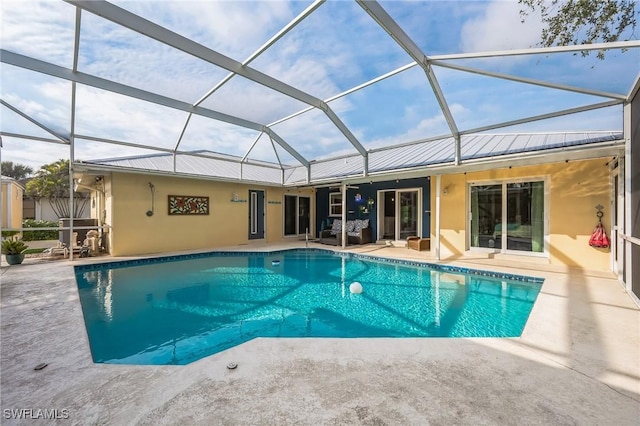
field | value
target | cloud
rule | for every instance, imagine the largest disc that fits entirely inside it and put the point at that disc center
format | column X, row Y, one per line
column 499, row 27
column 32, row 153
column 434, row 125
column 313, row 135
column 45, row 99
column 107, row 115
column 40, row 29
column 235, row 29
column 212, row 135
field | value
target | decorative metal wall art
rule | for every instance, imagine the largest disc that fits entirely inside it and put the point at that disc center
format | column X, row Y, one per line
column 188, row 204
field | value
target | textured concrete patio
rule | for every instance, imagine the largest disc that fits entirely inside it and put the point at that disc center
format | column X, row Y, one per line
column 577, row 362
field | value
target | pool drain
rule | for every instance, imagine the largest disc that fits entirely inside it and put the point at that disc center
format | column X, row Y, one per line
column 232, row 365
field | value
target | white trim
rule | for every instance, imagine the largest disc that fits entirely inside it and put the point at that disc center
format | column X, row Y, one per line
column 397, row 211
column 334, row 204
column 380, row 214
column 396, row 208
column 297, row 215
column 627, row 253
column 344, row 215
column 617, row 248
column 254, row 212
column 503, row 242
column 438, row 208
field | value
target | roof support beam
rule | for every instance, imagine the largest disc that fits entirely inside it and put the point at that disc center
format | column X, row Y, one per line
column 122, row 89
column 275, row 151
column 250, row 148
column 156, row 32
column 540, row 50
column 32, row 120
column 136, row 23
column 286, row 146
column 634, row 90
column 291, row 25
column 542, row 117
column 348, row 92
column 37, row 65
column 345, row 131
column 383, row 19
column 528, row 80
column 31, row 138
column 76, row 41
column 184, row 129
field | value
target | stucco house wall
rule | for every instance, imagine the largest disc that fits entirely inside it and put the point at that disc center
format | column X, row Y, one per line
column 12, row 193
column 128, row 198
column 575, row 188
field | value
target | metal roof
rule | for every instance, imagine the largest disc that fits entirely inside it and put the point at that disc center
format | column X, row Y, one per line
column 415, row 156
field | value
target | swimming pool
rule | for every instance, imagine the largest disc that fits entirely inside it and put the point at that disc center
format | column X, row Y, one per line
column 176, row 310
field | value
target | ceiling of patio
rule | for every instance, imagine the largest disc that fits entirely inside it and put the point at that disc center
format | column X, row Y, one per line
column 290, row 85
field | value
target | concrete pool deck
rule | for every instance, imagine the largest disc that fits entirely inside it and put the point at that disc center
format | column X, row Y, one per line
column 577, row 362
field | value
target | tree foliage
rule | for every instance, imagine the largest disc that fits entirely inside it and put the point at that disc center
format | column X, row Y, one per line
column 52, row 182
column 16, row 171
column 571, row 22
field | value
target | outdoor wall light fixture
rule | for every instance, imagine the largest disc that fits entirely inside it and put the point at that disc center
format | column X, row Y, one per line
column 152, row 188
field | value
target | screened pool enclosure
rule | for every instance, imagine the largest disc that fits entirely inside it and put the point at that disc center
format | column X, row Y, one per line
column 304, row 93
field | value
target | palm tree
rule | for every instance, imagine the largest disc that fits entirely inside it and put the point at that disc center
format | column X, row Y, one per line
column 52, row 182
column 16, row 171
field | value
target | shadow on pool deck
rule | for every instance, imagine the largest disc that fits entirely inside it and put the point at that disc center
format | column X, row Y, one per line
column 577, row 362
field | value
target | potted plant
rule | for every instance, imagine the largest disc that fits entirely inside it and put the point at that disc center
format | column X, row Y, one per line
column 14, row 251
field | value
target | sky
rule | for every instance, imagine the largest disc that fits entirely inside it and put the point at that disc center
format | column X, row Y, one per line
column 334, row 49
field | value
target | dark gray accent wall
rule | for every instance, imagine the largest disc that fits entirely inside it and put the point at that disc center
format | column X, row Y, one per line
column 367, row 190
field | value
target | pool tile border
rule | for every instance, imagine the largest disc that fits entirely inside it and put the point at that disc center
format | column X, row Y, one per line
column 433, row 266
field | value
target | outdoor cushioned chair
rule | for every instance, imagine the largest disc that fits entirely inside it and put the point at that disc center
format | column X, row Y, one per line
column 358, row 232
column 418, row 243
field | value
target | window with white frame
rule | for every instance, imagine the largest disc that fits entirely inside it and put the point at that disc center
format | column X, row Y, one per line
column 508, row 216
column 335, row 204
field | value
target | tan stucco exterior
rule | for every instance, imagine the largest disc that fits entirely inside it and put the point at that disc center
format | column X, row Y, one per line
column 573, row 190
column 128, row 198
column 12, row 193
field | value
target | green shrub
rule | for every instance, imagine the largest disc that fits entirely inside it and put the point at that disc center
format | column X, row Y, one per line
column 9, row 234
column 13, row 247
column 39, row 235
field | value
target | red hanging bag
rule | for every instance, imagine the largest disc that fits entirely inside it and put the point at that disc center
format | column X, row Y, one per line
column 599, row 237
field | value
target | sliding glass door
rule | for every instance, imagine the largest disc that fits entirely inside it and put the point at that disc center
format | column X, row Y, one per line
column 508, row 216
column 399, row 214
column 486, row 216
column 297, row 215
column 408, row 214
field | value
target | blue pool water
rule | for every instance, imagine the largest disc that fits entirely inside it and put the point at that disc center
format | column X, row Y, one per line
column 180, row 309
